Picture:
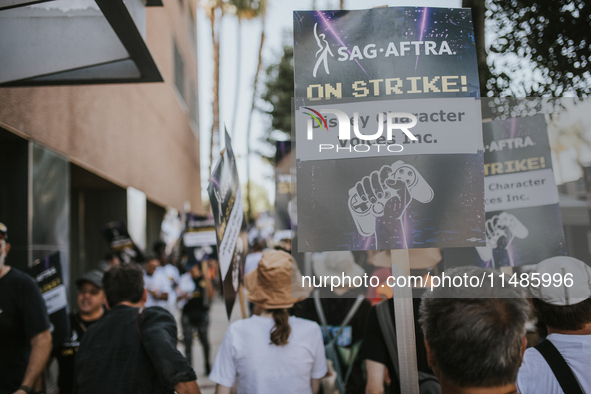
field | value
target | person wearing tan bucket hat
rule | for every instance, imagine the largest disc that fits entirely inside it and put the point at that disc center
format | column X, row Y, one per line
column 272, row 352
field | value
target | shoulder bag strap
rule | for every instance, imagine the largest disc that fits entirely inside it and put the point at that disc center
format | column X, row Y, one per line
column 346, row 321
column 349, row 316
column 320, row 313
column 561, row 370
column 389, row 333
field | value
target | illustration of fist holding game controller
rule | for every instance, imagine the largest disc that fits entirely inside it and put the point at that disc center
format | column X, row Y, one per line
column 399, row 182
column 501, row 230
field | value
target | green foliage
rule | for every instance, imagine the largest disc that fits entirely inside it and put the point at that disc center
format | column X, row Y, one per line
column 546, row 44
column 248, row 9
column 278, row 94
column 258, row 196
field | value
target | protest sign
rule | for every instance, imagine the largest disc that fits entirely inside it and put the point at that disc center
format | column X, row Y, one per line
column 418, row 181
column 230, row 228
column 199, row 239
column 47, row 273
column 384, row 54
column 283, row 186
column 523, row 221
column 374, row 171
column 121, row 243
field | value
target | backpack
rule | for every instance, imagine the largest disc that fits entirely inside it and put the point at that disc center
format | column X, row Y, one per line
column 428, row 383
column 335, row 356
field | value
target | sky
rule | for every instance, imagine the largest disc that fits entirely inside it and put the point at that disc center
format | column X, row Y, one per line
column 278, row 32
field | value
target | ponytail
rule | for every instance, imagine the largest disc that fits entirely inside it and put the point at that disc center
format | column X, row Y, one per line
column 281, row 329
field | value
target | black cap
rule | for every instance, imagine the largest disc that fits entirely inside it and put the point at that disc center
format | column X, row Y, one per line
column 94, row 277
column 3, row 232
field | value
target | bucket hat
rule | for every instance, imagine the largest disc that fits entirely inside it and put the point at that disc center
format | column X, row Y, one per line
column 276, row 283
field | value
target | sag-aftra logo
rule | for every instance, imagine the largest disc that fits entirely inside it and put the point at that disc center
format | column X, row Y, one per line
column 372, row 51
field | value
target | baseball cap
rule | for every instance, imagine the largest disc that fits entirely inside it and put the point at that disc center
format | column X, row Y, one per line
column 95, row 277
column 563, row 295
column 3, row 231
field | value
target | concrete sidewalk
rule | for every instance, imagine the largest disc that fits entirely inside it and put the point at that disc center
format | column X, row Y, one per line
column 217, row 328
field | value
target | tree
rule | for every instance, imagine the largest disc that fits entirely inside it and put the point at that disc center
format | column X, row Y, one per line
column 244, row 10
column 278, row 94
column 541, row 47
column 263, row 6
column 260, row 200
column 214, row 10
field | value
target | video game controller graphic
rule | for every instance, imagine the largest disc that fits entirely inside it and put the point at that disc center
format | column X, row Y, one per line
column 368, row 198
column 501, row 225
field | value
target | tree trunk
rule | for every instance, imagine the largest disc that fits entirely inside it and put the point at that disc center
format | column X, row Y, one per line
column 215, row 102
column 478, row 8
column 252, row 108
column 342, row 5
column 237, row 90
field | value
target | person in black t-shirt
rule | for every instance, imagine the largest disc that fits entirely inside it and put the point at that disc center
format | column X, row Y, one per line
column 91, row 300
column 335, row 306
column 132, row 349
column 24, row 327
column 381, row 376
column 195, row 293
column 375, row 351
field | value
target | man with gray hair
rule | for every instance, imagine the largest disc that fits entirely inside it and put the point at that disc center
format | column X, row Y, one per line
column 561, row 363
column 475, row 336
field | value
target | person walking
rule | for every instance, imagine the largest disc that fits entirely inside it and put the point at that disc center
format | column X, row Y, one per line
column 157, row 284
column 170, row 272
column 344, row 310
column 132, row 350
column 475, row 336
column 561, row 363
column 90, row 300
column 272, row 352
column 195, row 294
column 25, row 339
column 382, row 373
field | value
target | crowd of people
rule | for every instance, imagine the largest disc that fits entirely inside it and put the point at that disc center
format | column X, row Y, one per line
column 129, row 320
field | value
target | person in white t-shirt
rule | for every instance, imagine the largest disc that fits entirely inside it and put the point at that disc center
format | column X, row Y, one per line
column 566, row 312
column 156, row 283
column 171, row 273
column 273, row 352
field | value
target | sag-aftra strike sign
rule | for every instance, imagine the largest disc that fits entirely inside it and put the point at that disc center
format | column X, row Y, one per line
column 523, row 220
column 388, row 130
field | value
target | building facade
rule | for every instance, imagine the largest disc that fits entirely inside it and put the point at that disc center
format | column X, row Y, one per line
column 76, row 157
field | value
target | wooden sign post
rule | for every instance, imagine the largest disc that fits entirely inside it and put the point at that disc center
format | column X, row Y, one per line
column 405, row 328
